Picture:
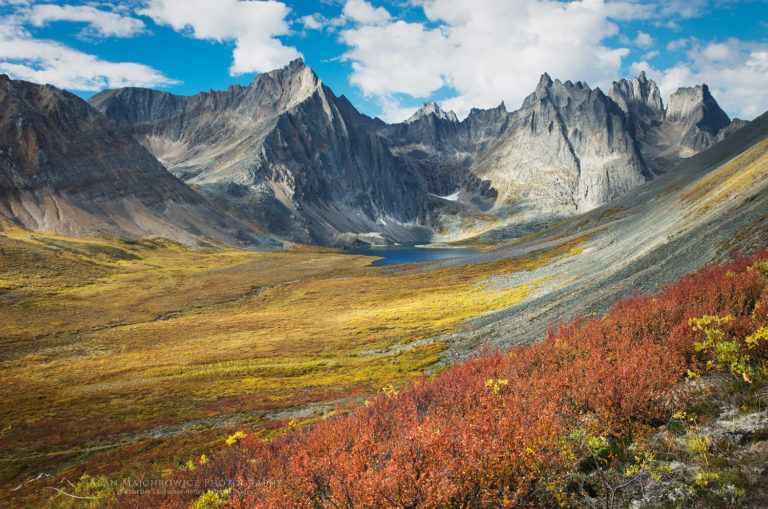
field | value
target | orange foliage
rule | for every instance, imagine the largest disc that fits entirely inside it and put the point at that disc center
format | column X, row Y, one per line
column 493, row 431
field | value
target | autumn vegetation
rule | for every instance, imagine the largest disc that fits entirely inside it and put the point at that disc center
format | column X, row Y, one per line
column 578, row 417
column 125, row 358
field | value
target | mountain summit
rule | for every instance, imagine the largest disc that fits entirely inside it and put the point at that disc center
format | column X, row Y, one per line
column 431, row 108
column 691, row 122
column 66, row 167
column 286, row 153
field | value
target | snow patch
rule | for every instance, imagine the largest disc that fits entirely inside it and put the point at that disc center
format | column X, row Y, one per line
column 451, row 197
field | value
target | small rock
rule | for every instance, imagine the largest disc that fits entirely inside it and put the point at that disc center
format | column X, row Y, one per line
column 760, row 448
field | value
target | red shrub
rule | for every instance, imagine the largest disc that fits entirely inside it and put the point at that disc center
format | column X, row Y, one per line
column 486, row 432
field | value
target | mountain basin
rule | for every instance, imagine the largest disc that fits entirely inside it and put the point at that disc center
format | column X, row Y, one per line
column 412, row 253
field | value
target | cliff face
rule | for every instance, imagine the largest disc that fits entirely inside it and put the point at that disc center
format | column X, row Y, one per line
column 697, row 116
column 692, row 121
column 287, row 154
column 66, row 167
column 568, row 146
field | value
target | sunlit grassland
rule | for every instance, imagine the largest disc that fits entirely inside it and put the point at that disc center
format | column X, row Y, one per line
column 103, row 339
column 730, row 179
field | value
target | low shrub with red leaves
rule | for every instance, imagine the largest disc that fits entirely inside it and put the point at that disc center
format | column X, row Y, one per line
column 494, row 431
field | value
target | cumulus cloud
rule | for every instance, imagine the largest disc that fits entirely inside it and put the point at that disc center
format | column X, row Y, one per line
column 363, row 12
column 50, row 62
column 643, row 40
column 735, row 71
column 397, row 57
column 312, row 22
column 100, row 22
column 24, row 57
column 253, row 25
column 678, row 44
column 487, row 50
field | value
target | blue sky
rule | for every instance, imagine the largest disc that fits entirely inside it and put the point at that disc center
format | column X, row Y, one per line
column 388, row 56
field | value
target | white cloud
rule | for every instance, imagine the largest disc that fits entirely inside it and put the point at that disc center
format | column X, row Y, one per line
column 312, row 22
column 102, row 23
column 678, row 44
column 393, row 112
column 397, row 57
column 735, row 71
column 684, row 9
column 626, row 11
column 487, row 50
column 643, row 40
column 363, row 12
column 253, row 25
column 650, row 55
column 43, row 61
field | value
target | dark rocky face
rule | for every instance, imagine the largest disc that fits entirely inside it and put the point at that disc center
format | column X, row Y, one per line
column 309, row 167
column 64, row 166
column 691, row 123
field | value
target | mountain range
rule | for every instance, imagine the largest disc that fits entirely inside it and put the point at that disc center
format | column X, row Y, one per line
column 66, row 167
column 285, row 158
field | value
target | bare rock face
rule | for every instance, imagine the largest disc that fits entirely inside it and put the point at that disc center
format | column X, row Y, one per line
column 567, row 149
column 66, row 167
column 640, row 98
column 432, row 109
column 692, row 121
column 698, row 117
column 287, row 154
column 569, row 145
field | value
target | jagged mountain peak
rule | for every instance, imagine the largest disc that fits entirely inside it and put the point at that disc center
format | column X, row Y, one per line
column 430, row 108
column 689, row 124
column 285, row 152
column 500, row 109
column 545, row 81
column 640, row 98
column 687, row 100
column 296, row 71
column 698, row 116
column 560, row 93
column 641, row 82
column 284, row 88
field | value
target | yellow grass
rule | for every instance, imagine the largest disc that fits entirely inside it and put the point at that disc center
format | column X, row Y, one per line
column 732, row 178
column 103, row 336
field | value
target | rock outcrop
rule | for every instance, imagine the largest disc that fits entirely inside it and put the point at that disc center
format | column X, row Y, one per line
column 691, row 122
column 66, row 167
column 286, row 153
column 568, row 146
column 697, row 117
column 289, row 155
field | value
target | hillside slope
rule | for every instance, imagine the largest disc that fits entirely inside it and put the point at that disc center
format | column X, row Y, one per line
column 698, row 213
column 285, row 152
column 659, row 403
column 65, row 167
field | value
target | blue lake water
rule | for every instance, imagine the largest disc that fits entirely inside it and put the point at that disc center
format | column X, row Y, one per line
column 396, row 255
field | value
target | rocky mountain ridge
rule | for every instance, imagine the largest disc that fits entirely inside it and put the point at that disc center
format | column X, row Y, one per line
column 286, row 153
column 691, row 122
column 66, row 167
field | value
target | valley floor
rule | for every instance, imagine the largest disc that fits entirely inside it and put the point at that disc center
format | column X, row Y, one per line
column 117, row 353
column 128, row 359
